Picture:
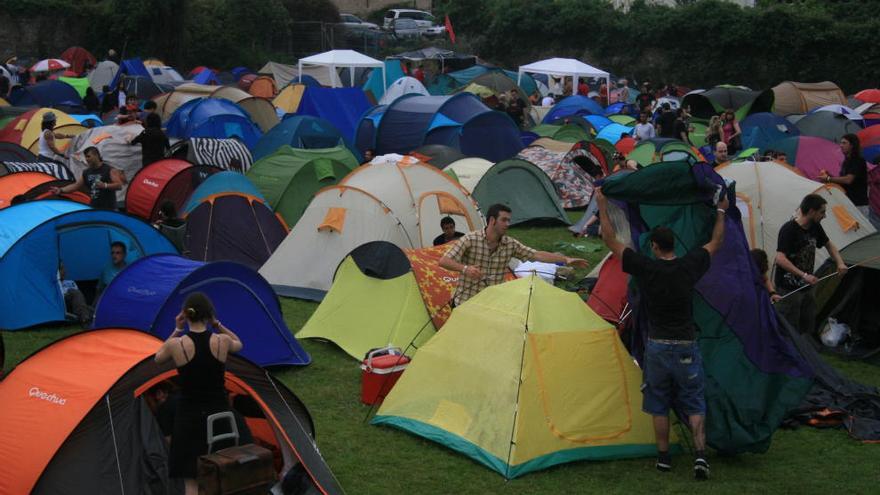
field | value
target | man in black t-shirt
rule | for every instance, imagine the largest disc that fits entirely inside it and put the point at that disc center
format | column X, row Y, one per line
column 100, row 181
column 666, row 122
column 796, row 259
column 449, row 233
column 673, row 367
column 681, row 126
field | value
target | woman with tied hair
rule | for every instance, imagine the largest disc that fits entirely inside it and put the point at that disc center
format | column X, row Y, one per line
column 731, row 131
column 200, row 356
column 853, row 175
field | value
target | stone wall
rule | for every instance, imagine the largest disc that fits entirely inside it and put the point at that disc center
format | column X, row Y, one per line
column 365, row 6
column 39, row 37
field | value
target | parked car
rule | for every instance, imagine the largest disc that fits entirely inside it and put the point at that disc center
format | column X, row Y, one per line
column 422, row 18
column 355, row 23
column 405, row 28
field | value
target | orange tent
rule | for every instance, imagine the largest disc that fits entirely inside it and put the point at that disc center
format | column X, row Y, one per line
column 263, row 86
column 73, row 415
column 34, row 185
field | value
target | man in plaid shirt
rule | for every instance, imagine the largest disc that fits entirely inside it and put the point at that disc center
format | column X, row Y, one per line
column 482, row 256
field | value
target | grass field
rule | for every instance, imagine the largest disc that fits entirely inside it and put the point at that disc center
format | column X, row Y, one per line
column 372, row 460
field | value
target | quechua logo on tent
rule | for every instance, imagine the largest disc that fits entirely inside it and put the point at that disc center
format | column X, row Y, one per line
column 36, row 393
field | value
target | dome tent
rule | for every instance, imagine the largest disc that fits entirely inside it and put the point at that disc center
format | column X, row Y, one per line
column 37, row 235
column 166, row 180
column 221, row 183
column 33, row 186
column 298, row 131
column 213, row 118
column 149, row 293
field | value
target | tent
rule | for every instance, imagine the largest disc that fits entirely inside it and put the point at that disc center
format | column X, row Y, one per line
column 769, row 194
column 337, row 59
column 570, row 133
column 290, row 177
column 24, row 130
column 615, row 132
column 114, row 144
column 221, row 153
column 260, row 111
column 663, row 150
column 519, row 184
column 285, row 74
column 379, row 81
column 166, row 180
column 79, row 59
column 80, row 84
column 869, row 139
column 142, row 87
column 461, row 121
column 761, row 129
column 503, row 395
column 162, row 74
column 498, row 82
column 794, row 97
column 36, row 235
column 233, row 227
column 562, row 162
column 401, row 203
column 221, row 183
column 437, row 155
column 447, row 83
column 32, row 186
column 263, row 87
column 403, row 86
column 129, row 68
column 289, row 97
column 95, row 431
column 844, row 110
column 809, row 154
column 706, row 103
column 753, row 374
column 243, row 301
column 213, row 118
column 52, row 169
column 571, row 106
column 14, row 152
column 342, row 107
column 207, row 77
column 565, row 67
column 102, row 75
column 298, row 131
column 48, row 93
column 383, row 295
column 828, row 125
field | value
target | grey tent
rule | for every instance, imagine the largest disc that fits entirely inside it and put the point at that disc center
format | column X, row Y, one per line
column 525, row 188
column 828, row 125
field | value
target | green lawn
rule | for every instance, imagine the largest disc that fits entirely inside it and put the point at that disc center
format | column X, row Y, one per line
column 374, row 460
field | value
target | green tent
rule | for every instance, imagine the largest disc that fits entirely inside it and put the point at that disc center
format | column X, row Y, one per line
column 522, row 186
column 623, row 119
column 570, row 133
column 80, row 84
column 662, row 150
column 290, row 177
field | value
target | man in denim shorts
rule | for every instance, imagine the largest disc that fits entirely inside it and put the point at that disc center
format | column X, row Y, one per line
column 673, row 369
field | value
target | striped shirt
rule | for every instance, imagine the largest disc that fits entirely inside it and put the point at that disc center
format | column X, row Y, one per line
column 473, row 250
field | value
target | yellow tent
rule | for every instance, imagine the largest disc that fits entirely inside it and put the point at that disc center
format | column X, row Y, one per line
column 30, row 128
column 154, row 62
column 3, row 103
column 524, row 376
column 289, row 97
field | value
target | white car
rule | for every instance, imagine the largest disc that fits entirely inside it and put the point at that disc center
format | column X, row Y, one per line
column 422, row 18
column 355, row 23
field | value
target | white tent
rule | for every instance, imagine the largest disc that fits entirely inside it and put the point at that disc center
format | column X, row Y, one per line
column 469, row 171
column 336, row 59
column 403, row 86
column 163, row 74
column 102, row 75
column 566, row 67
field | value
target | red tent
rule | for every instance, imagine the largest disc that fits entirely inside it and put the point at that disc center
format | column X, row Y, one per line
column 79, row 59
column 169, row 179
column 868, row 95
column 608, row 298
column 33, row 186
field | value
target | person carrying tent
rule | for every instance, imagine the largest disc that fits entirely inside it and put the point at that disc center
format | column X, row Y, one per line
column 200, row 356
column 100, row 181
column 447, row 225
column 482, row 256
column 47, row 150
column 673, row 368
column 795, row 258
column 853, row 173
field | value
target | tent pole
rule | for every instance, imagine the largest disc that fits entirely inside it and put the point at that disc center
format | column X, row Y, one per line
column 384, row 78
column 351, row 75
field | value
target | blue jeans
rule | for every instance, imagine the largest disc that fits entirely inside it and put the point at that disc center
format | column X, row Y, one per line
column 673, row 377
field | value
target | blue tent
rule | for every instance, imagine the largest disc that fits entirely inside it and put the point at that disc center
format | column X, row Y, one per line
column 49, row 93
column 573, row 105
column 298, row 131
column 35, row 236
column 598, row 122
column 761, row 129
column 240, row 71
column 213, row 118
column 131, row 67
column 150, row 293
column 461, row 121
column 90, row 120
column 222, row 183
column 612, row 132
column 365, row 138
column 207, row 76
column 447, row 83
column 342, row 107
column 374, row 85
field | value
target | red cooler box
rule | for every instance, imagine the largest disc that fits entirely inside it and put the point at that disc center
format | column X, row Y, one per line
column 381, row 370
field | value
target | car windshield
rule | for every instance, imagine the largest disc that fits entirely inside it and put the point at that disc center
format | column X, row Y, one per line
column 418, row 16
column 349, row 18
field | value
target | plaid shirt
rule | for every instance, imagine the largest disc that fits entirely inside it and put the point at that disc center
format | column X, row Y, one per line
column 473, row 250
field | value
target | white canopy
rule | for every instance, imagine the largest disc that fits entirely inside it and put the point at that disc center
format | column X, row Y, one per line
column 335, row 59
column 564, row 67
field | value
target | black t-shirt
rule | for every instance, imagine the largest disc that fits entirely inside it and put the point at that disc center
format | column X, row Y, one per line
column 667, row 124
column 441, row 239
column 857, row 192
column 799, row 246
column 667, row 287
column 645, row 100
column 103, row 199
column 153, row 145
column 681, row 128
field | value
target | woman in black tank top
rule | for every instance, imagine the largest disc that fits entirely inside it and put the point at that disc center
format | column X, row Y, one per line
column 200, row 356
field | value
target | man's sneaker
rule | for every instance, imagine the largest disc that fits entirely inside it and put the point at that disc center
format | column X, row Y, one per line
column 664, row 462
column 701, row 469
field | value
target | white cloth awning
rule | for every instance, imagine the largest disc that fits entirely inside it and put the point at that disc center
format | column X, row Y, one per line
column 335, row 59
column 566, row 67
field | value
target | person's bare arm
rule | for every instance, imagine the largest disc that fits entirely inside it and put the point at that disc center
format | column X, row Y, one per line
column 117, row 180
column 235, row 344
column 50, row 142
column 783, row 262
column 548, row 257
column 717, row 239
column 74, row 186
column 166, row 352
column 609, row 236
column 835, row 255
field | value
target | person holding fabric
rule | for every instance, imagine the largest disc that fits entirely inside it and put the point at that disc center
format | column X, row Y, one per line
column 853, row 175
column 100, row 181
column 673, row 368
column 48, row 150
column 482, row 256
column 200, row 357
column 795, row 259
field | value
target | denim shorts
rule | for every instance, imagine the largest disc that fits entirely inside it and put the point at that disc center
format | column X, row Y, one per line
column 673, row 378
